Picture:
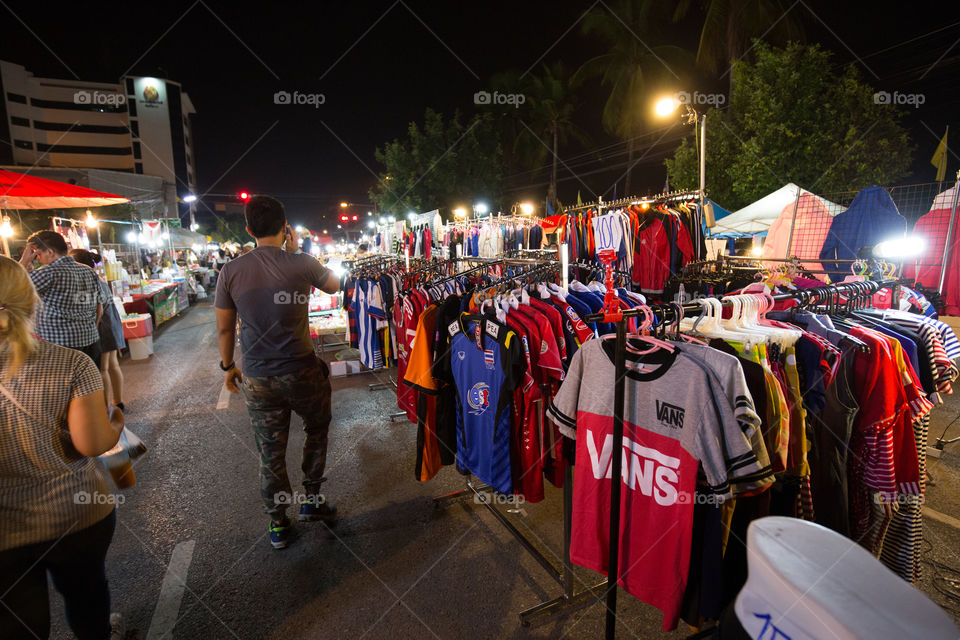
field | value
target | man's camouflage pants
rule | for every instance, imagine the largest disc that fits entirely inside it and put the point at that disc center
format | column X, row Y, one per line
column 269, row 401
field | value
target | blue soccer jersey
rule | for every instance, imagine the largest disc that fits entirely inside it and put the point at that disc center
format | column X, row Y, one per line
column 488, row 364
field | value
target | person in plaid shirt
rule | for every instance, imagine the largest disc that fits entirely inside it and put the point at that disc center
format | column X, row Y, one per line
column 71, row 295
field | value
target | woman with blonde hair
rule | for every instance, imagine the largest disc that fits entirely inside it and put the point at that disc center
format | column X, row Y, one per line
column 56, row 510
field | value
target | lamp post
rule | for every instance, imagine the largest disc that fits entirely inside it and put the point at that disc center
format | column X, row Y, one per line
column 666, row 107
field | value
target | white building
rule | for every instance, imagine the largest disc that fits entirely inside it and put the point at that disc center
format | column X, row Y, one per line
column 140, row 125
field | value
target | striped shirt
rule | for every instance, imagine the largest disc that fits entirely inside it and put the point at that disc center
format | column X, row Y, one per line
column 47, row 488
column 946, row 371
column 70, row 293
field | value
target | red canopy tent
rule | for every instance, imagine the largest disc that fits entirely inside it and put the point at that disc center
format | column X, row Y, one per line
column 23, row 191
column 928, row 267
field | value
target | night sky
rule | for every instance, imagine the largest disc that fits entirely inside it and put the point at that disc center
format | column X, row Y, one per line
column 379, row 65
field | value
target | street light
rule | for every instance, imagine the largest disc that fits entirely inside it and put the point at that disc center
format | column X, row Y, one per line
column 460, row 212
column 526, row 208
column 481, row 207
column 344, row 205
column 667, row 106
column 189, row 198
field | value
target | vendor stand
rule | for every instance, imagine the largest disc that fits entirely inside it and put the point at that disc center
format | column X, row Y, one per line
column 160, row 299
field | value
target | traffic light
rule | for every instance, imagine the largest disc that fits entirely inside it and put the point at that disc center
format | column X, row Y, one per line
column 244, row 196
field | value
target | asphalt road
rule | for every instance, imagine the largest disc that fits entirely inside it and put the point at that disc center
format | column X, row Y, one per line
column 191, row 556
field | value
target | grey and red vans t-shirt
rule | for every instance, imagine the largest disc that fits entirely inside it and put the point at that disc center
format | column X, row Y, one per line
column 672, row 426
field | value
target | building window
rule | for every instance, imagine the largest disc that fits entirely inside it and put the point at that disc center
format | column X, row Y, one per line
column 20, row 122
column 16, row 97
column 73, row 106
column 69, row 148
column 136, row 150
column 135, row 128
column 132, row 108
column 138, row 167
column 23, row 144
column 78, row 128
column 130, row 91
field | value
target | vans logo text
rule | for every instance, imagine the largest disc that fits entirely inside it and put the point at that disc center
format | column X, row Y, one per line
column 669, row 415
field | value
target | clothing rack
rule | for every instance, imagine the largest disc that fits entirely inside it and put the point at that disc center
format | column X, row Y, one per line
column 543, row 269
column 600, row 204
column 618, row 317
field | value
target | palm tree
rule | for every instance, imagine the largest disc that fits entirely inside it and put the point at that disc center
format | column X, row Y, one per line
column 630, row 68
column 729, row 26
column 544, row 122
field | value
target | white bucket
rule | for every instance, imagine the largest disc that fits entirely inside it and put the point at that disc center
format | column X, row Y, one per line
column 140, row 348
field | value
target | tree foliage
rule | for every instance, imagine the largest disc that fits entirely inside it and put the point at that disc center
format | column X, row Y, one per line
column 439, row 164
column 793, row 119
column 533, row 133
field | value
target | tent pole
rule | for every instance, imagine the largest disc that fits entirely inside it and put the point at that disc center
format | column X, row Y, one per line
column 793, row 222
column 946, row 242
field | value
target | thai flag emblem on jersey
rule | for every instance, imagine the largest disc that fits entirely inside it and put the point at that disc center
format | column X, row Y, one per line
column 488, row 358
column 478, row 398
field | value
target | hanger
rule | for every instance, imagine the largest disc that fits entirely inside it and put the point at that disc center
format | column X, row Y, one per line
column 678, row 316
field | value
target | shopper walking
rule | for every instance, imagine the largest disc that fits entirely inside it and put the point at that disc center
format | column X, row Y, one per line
column 268, row 289
column 71, row 295
column 110, row 329
column 56, row 510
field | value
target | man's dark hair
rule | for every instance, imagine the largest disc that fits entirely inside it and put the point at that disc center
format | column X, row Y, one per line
column 88, row 258
column 49, row 240
column 265, row 216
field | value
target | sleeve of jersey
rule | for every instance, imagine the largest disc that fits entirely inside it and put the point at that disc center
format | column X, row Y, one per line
column 375, row 303
column 550, row 360
column 419, row 373
column 516, row 365
column 562, row 410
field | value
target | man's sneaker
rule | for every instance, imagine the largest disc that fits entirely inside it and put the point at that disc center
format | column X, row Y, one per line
column 316, row 510
column 279, row 533
column 118, row 630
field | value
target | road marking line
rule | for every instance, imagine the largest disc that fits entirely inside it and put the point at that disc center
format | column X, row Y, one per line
column 171, row 592
column 224, row 400
column 942, row 517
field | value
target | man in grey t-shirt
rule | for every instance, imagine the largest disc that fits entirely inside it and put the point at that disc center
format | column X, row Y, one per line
column 269, row 289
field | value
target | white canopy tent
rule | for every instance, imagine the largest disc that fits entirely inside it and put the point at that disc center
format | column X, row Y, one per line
column 757, row 217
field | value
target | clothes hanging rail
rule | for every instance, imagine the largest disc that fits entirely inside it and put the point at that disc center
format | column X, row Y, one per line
column 618, row 317
column 601, row 204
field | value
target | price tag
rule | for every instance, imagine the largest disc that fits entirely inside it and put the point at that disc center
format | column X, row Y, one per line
column 607, row 232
